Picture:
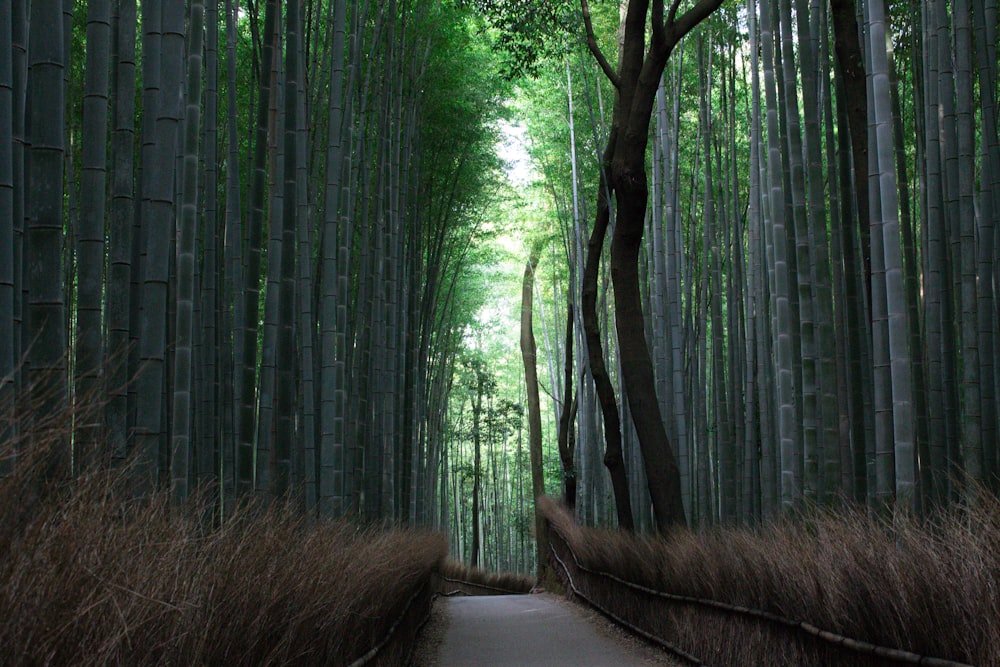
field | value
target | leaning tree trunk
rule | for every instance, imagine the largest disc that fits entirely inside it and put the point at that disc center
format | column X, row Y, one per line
column 529, row 355
column 637, row 78
column 605, row 391
column 566, row 416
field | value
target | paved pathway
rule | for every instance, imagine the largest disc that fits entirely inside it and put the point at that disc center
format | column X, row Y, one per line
column 519, row 630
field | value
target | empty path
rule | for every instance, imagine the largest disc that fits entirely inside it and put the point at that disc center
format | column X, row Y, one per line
column 528, row 630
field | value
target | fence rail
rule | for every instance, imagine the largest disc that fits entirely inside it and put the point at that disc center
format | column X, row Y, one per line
column 836, row 640
column 485, row 587
column 373, row 653
column 617, row 619
column 425, row 589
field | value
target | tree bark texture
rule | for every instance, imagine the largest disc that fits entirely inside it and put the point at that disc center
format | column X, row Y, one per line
column 529, row 356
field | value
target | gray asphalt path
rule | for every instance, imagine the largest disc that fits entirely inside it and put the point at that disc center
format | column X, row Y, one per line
column 524, row 630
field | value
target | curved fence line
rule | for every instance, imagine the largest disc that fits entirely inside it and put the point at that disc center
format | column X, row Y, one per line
column 617, row 619
column 452, row 594
column 833, row 638
column 505, row 591
column 370, row 655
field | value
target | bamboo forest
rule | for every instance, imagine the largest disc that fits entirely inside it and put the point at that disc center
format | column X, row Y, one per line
column 498, row 286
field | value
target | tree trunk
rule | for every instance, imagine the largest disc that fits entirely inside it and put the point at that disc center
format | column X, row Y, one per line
column 847, row 47
column 332, row 446
column 251, row 289
column 19, row 77
column 180, row 455
column 605, row 391
column 972, row 445
column 206, row 452
column 268, row 370
column 44, row 200
column 477, row 464
column 8, row 284
column 661, row 467
column 781, row 292
column 904, row 451
column 828, row 455
column 566, row 443
column 637, row 78
column 88, row 444
column 529, row 356
column 286, row 394
column 985, row 36
column 232, row 339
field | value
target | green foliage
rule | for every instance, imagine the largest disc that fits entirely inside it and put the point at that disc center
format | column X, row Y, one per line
column 502, row 417
column 527, row 32
column 462, row 96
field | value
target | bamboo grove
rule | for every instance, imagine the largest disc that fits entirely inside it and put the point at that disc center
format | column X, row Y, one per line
column 241, row 247
column 819, row 261
column 237, row 240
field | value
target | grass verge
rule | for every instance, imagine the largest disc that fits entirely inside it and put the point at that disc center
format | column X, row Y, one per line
column 455, row 576
column 87, row 578
column 932, row 589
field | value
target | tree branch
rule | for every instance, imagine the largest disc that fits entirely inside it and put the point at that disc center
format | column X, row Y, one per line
column 656, row 19
column 674, row 6
column 606, row 67
column 690, row 18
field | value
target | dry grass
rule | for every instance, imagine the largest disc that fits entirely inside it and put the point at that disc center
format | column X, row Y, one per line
column 931, row 589
column 456, row 576
column 87, row 578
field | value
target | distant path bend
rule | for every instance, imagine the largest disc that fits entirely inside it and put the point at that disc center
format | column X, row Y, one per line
column 523, row 630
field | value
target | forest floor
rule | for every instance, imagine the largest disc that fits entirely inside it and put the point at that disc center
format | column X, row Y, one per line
column 540, row 629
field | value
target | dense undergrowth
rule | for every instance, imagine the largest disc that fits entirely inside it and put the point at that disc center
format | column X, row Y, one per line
column 89, row 578
column 930, row 588
column 455, row 577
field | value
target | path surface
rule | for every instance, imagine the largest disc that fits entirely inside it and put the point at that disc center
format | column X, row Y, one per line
column 520, row 630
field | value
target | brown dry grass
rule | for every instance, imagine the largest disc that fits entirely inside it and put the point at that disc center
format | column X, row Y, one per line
column 931, row 589
column 87, row 578
column 474, row 581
